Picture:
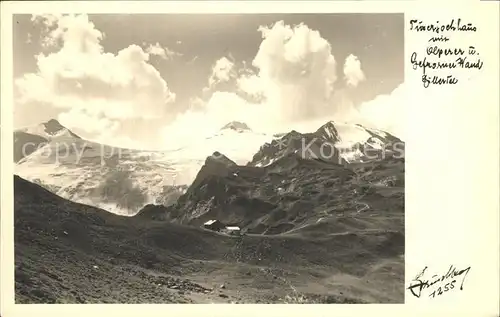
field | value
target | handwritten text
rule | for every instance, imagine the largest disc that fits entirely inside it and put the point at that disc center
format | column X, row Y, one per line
column 438, row 64
column 438, row 284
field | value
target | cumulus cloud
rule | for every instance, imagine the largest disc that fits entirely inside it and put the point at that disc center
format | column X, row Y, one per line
column 294, row 86
column 222, row 71
column 68, row 30
column 291, row 85
column 121, row 99
column 386, row 112
column 207, row 118
column 161, row 51
column 293, row 80
column 298, row 70
column 87, row 121
column 252, row 86
column 92, row 90
column 352, row 71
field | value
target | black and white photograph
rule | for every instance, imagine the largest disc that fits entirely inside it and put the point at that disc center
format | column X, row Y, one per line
column 209, row 158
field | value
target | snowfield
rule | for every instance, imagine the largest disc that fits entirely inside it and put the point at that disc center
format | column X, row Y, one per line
column 122, row 180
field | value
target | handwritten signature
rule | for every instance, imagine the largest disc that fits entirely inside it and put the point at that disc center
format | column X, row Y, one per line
column 437, row 284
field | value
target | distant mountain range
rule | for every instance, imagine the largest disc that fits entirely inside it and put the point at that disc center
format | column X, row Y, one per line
column 334, row 142
column 28, row 140
column 290, row 194
column 321, row 217
column 124, row 180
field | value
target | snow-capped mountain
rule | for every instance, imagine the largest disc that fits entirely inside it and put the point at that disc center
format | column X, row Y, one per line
column 124, row 180
column 237, row 126
column 290, row 194
column 117, row 179
column 51, row 129
column 235, row 139
column 29, row 139
column 341, row 143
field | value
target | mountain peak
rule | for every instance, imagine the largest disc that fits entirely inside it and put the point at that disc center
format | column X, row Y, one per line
column 215, row 164
column 329, row 132
column 236, row 126
column 218, row 157
column 53, row 127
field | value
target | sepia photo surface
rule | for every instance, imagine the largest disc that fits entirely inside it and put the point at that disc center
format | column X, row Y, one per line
column 182, row 156
column 209, row 158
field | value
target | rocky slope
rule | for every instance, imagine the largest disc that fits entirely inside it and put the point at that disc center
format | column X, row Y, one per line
column 117, row 179
column 292, row 194
column 338, row 143
column 123, row 181
column 67, row 252
column 30, row 139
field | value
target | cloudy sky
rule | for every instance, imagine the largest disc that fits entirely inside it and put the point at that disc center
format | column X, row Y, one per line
column 151, row 80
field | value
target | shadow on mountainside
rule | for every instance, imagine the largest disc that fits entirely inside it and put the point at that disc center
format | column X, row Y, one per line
column 292, row 194
column 72, row 253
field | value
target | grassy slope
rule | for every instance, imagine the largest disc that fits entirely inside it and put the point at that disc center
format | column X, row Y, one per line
column 68, row 252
